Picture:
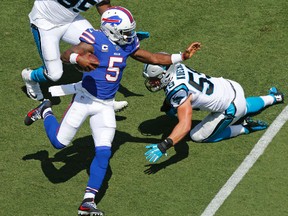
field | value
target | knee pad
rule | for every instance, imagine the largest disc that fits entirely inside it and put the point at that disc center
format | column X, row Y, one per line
column 54, row 69
column 196, row 137
column 55, row 76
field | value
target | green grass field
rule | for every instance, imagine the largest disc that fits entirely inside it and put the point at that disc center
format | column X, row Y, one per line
column 241, row 40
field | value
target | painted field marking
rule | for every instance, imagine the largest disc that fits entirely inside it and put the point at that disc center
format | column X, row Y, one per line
column 248, row 162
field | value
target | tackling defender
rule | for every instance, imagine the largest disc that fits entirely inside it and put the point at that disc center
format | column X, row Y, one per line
column 52, row 21
column 112, row 45
column 187, row 89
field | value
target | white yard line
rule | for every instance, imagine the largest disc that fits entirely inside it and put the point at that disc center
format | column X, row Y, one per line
column 248, row 162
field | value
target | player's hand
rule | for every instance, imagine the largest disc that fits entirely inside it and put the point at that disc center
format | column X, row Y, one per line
column 187, row 54
column 88, row 62
column 142, row 35
column 153, row 154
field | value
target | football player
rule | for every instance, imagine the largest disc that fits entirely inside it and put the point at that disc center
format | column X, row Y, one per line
column 112, row 44
column 52, row 21
column 187, row 90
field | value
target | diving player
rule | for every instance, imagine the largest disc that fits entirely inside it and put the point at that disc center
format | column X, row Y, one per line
column 187, row 89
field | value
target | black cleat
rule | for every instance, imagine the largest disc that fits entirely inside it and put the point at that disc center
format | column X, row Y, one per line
column 88, row 207
column 279, row 96
column 36, row 113
column 254, row 125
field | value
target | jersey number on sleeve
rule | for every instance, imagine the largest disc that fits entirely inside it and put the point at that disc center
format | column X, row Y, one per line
column 201, row 82
column 77, row 5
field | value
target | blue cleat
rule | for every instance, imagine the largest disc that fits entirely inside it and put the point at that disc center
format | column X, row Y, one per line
column 278, row 96
column 251, row 125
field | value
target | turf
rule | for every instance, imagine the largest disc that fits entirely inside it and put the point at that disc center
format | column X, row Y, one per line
column 241, row 40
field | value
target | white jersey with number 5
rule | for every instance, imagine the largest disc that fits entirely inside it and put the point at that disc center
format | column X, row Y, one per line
column 48, row 14
column 212, row 94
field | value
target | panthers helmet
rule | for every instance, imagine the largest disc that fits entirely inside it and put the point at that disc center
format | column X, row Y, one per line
column 157, row 77
column 118, row 25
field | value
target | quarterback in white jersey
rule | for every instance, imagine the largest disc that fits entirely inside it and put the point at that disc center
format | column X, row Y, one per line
column 187, row 90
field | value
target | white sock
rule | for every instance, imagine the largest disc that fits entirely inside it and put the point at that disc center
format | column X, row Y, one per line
column 89, row 195
column 45, row 111
column 268, row 100
column 236, row 130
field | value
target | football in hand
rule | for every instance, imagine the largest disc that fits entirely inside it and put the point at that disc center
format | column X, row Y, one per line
column 91, row 58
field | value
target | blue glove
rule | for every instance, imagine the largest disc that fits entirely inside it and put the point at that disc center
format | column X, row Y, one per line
column 154, row 153
column 142, row 35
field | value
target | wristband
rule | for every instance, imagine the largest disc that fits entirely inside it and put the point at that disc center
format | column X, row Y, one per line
column 176, row 58
column 73, row 58
column 165, row 145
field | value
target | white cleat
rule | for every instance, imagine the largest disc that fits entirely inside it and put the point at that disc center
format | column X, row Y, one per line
column 120, row 105
column 33, row 88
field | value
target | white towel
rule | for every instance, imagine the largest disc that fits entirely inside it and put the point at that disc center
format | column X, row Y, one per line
column 67, row 89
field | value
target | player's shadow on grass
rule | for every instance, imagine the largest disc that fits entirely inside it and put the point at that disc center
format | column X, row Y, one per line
column 164, row 125
column 71, row 75
column 78, row 156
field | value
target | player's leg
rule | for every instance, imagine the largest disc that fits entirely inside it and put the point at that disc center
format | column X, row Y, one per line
column 44, row 111
column 256, row 104
column 74, row 117
column 217, row 126
column 47, row 42
column 75, row 30
column 210, row 127
column 248, row 125
column 60, row 135
column 103, row 126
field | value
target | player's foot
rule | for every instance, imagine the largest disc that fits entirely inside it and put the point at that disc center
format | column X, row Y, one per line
column 88, row 207
column 36, row 113
column 33, row 88
column 120, row 105
column 251, row 125
column 278, row 96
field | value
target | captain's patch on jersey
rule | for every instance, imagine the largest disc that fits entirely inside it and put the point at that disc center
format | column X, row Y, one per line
column 104, row 48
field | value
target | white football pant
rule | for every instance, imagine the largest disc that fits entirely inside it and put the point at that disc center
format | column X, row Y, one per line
column 50, row 41
column 213, row 121
column 102, row 119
